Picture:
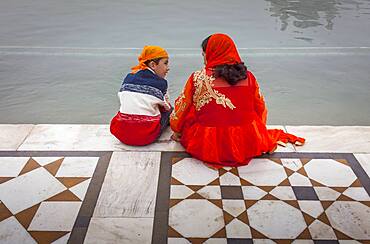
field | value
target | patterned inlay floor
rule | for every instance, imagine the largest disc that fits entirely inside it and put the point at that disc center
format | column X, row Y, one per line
column 49, row 197
column 309, row 198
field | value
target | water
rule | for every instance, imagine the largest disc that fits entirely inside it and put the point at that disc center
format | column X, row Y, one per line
column 62, row 62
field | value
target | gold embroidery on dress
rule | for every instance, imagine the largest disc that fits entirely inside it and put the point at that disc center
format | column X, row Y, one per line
column 173, row 115
column 204, row 93
column 180, row 104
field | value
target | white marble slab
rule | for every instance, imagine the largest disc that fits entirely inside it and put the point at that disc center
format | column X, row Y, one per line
column 98, row 137
column 63, row 239
column 184, row 170
column 292, row 163
column 76, row 137
column 263, row 241
column 326, row 193
column 262, row 172
column 80, row 189
column 77, row 167
column 204, row 223
column 238, row 229
column 29, row 189
column 340, row 174
column 55, row 216
column 345, row 139
column 119, row 230
column 276, row 219
column 253, row 192
column 180, row 192
column 12, row 166
column 130, row 185
column 296, row 179
column 313, row 208
column 351, row 218
column 12, row 135
column 233, row 207
column 364, row 160
column 304, row 242
column 321, row 231
column 11, row 231
column 216, row 241
column 357, row 193
column 229, row 179
column 283, row 193
column 348, row 242
column 210, row 192
column 177, row 241
column 67, row 137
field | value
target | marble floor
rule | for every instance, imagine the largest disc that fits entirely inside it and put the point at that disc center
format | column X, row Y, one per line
column 48, row 197
column 56, row 187
column 290, row 197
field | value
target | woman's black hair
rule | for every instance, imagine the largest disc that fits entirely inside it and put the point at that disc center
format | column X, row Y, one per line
column 232, row 73
column 204, row 43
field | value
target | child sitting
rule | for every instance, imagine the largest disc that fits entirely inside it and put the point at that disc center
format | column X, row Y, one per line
column 145, row 106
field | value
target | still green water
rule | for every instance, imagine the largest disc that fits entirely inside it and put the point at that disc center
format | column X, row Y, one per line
column 62, row 62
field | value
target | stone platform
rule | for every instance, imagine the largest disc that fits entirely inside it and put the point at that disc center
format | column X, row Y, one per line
column 78, row 184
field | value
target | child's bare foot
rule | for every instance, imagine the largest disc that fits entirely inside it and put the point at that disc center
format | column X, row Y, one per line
column 176, row 137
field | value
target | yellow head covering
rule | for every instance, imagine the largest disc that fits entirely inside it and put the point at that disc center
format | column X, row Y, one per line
column 149, row 53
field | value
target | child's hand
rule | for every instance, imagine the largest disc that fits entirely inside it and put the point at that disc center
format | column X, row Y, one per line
column 176, row 137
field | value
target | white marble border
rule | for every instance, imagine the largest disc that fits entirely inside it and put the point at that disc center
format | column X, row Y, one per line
column 13, row 135
column 333, row 139
column 79, row 137
column 68, row 137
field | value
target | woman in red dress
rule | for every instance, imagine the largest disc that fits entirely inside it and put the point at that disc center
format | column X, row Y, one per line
column 220, row 117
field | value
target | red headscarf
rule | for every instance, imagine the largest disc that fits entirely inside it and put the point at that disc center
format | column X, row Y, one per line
column 221, row 50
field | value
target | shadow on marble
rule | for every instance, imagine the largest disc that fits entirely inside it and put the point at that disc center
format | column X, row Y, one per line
column 340, row 139
column 12, row 136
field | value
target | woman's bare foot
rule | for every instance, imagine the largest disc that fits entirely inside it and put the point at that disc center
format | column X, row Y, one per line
column 176, row 137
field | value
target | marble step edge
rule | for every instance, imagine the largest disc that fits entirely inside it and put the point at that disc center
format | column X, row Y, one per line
column 63, row 137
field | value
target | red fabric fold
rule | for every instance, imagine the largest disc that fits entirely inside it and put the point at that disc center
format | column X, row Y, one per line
column 136, row 130
column 282, row 138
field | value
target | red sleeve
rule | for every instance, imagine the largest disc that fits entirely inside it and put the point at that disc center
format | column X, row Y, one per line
column 182, row 106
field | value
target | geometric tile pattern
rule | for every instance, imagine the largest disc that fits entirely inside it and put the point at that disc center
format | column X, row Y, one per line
column 270, row 200
column 40, row 197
